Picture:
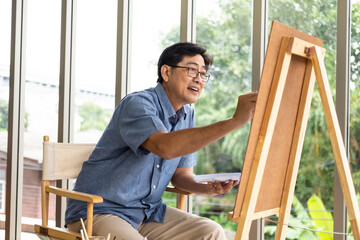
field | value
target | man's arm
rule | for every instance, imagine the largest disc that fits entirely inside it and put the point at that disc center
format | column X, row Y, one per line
column 169, row 145
column 183, row 179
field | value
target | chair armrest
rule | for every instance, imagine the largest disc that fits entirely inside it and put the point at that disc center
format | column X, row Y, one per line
column 176, row 190
column 85, row 197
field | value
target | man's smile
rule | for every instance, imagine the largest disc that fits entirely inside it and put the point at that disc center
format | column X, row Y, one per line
column 193, row 88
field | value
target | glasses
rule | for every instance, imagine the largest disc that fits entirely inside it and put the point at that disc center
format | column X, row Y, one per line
column 193, row 72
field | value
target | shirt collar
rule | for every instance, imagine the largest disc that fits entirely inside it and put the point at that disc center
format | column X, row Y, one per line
column 166, row 105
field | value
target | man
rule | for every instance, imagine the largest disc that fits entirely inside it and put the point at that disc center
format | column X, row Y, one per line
column 150, row 141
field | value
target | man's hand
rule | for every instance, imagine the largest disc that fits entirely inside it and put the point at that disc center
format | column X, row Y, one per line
column 245, row 108
column 217, row 187
column 183, row 179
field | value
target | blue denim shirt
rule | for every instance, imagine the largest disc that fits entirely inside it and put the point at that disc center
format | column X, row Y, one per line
column 131, row 179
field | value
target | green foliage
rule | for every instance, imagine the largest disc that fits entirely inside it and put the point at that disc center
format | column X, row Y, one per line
column 224, row 222
column 317, row 18
column 94, row 117
column 308, row 224
column 221, row 205
column 322, row 218
column 227, row 36
column 169, row 199
column 316, row 169
column 230, row 77
column 355, row 130
column 355, row 44
column 351, row 237
column 299, row 221
column 4, row 115
column 355, row 95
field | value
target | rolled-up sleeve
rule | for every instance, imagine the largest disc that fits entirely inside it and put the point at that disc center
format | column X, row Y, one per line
column 139, row 120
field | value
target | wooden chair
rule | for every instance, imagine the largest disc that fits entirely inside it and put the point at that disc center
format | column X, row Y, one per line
column 64, row 161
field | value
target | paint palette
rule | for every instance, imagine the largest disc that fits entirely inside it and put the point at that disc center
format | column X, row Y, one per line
column 222, row 177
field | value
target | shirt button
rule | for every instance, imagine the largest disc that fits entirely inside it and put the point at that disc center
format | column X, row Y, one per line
column 174, row 116
column 143, row 202
column 158, row 166
column 154, row 186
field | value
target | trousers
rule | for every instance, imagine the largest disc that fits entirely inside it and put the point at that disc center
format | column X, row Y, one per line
column 178, row 225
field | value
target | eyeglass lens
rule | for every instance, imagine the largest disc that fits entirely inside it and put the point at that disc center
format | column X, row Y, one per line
column 194, row 73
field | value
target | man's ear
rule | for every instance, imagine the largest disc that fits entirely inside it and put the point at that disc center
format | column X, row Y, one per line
column 165, row 72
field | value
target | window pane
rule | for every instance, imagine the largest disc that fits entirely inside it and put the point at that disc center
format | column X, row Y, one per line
column 41, row 101
column 150, row 34
column 95, row 51
column 355, row 96
column 225, row 29
column 316, row 171
column 5, row 29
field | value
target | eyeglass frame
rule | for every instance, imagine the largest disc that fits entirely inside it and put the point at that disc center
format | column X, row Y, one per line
column 207, row 75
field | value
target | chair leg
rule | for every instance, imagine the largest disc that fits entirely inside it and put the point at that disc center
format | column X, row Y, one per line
column 45, row 203
column 89, row 218
column 181, row 201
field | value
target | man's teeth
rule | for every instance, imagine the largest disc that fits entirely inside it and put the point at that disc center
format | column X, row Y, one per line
column 195, row 89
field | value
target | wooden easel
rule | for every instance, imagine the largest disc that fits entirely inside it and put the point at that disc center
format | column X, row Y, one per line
column 278, row 130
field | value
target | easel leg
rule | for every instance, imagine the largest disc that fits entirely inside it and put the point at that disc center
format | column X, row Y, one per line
column 262, row 149
column 337, row 142
column 295, row 153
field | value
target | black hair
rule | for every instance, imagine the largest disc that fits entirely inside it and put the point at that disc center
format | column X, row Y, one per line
column 175, row 53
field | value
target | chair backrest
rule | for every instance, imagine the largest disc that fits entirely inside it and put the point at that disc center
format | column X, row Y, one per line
column 64, row 160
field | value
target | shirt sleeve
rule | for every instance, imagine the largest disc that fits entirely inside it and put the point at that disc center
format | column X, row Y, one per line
column 139, row 118
column 187, row 161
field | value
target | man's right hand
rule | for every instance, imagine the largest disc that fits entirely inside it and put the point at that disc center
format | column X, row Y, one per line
column 245, row 108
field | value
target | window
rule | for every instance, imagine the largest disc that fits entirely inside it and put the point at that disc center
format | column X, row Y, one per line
column 5, row 18
column 41, row 101
column 151, row 32
column 355, row 96
column 5, row 30
column 2, row 196
column 95, row 51
column 225, row 29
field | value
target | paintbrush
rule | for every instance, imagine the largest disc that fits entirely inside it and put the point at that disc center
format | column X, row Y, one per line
column 82, row 234
column 83, row 226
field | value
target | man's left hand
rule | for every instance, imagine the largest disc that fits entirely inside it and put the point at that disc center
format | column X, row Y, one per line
column 217, row 187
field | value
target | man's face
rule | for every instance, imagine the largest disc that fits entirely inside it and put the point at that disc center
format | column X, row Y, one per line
column 179, row 86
